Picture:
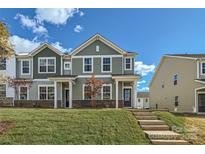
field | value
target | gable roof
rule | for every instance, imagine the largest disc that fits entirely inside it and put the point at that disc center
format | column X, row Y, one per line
column 183, row 56
column 142, row 94
column 102, row 39
column 43, row 46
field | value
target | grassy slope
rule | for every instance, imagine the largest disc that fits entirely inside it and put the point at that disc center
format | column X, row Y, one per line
column 48, row 126
column 191, row 127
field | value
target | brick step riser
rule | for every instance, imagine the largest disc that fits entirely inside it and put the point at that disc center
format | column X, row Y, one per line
column 152, row 123
column 164, row 137
column 146, row 118
column 169, row 143
column 156, row 129
column 143, row 114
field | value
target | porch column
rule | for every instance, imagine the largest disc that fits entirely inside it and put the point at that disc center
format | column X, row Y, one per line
column 70, row 94
column 116, row 84
column 55, row 95
column 134, row 94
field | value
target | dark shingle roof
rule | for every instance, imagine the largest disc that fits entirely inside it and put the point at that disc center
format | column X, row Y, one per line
column 142, row 94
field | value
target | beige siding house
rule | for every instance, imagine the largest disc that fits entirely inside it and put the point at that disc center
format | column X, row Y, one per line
column 179, row 83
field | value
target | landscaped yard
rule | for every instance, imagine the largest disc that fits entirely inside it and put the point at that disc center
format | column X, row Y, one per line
column 192, row 127
column 64, row 126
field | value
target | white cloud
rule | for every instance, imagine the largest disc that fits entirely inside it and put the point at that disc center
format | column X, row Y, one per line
column 58, row 45
column 143, row 69
column 55, row 16
column 143, row 89
column 140, row 82
column 81, row 13
column 23, row 45
column 78, row 28
column 32, row 24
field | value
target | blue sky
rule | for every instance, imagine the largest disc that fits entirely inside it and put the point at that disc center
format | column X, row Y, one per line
column 150, row 32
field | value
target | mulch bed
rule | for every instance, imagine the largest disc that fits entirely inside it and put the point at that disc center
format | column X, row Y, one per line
column 5, row 125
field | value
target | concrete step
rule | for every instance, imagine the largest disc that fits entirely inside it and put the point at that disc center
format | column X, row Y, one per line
column 151, row 122
column 163, row 135
column 143, row 113
column 169, row 142
column 155, row 127
column 146, row 117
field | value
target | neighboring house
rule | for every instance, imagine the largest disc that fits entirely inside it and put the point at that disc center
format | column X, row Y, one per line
column 59, row 79
column 179, row 83
column 143, row 100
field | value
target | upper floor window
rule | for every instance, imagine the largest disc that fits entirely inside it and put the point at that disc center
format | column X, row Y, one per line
column 139, row 100
column 2, row 63
column 87, row 92
column 88, row 65
column 107, row 91
column 2, row 90
column 47, row 65
column 106, row 64
column 146, row 100
column 25, row 65
column 46, row 92
column 67, row 65
column 203, row 68
column 128, row 63
column 97, row 48
column 23, row 93
column 175, row 79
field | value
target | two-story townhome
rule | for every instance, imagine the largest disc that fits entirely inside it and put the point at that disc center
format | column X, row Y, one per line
column 179, row 83
column 59, row 79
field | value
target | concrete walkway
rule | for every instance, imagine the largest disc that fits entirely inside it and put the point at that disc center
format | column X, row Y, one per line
column 157, row 130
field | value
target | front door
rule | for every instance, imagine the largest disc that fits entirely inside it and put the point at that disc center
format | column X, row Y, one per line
column 67, row 98
column 201, row 102
column 127, row 97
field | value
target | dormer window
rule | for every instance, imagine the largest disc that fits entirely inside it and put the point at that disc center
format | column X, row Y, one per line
column 97, row 48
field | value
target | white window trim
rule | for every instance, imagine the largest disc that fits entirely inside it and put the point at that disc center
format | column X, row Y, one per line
column 202, row 68
column 67, row 62
column 50, row 85
column 130, row 63
column 22, row 66
column 27, row 92
column 102, row 65
column 84, row 92
column 39, row 58
column 84, row 65
column 110, row 85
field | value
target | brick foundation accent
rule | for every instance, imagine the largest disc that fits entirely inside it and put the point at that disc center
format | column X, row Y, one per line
column 99, row 103
column 6, row 102
column 36, row 103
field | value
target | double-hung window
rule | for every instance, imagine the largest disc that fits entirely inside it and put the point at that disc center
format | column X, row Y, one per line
column 106, row 91
column 176, row 101
column 202, row 68
column 25, row 64
column 128, row 63
column 2, row 90
column 2, row 63
column 67, row 65
column 88, row 65
column 87, row 92
column 46, row 93
column 106, row 64
column 47, row 65
column 23, row 93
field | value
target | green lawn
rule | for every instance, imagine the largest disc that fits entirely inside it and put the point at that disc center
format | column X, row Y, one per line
column 190, row 126
column 64, row 126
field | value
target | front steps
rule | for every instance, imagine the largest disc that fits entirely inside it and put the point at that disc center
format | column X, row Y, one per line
column 157, row 130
